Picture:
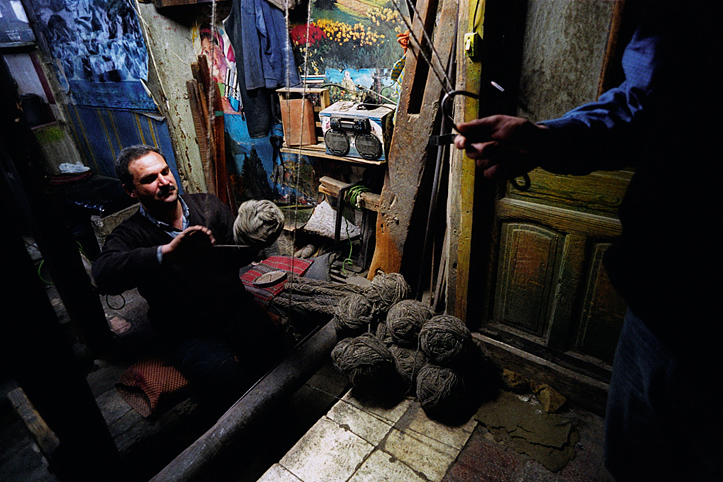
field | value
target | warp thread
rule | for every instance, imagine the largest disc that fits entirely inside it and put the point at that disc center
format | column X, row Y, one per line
column 353, row 316
column 405, row 320
column 258, row 224
column 311, row 295
column 445, row 340
column 365, row 361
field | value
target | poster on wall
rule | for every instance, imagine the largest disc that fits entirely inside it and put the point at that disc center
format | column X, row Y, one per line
column 354, row 45
column 101, row 56
column 259, row 170
column 215, row 46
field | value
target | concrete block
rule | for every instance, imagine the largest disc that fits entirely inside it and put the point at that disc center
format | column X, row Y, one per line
column 277, row 473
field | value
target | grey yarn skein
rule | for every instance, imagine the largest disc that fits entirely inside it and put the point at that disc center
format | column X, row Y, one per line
column 258, row 224
column 405, row 319
column 440, row 390
column 353, row 315
column 386, row 290
column 364, row 360
column 444, row 339
column 408, row 362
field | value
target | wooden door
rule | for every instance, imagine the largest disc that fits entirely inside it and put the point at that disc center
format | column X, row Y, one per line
column 530, row 279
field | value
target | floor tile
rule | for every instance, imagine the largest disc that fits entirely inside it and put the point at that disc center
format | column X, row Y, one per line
column 424, row 455
column 382, row 467
column 328, row 452
column 277, row 473
column 370, row 423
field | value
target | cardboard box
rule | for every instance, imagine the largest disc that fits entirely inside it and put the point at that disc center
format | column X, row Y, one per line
column 300, row 107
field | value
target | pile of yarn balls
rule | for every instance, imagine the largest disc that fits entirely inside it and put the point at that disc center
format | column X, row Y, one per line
column 387, row 341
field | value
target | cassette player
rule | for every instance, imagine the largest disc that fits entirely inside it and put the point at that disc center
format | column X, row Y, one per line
column 357, row 130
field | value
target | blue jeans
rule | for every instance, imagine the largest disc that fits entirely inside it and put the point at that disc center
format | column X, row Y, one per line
column 663, row 419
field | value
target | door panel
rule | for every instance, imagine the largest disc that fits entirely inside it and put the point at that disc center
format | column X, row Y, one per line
column 526, row 271
column 529, row 258
column 551, row 296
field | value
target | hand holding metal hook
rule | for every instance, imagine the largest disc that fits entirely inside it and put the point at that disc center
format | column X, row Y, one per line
column 449, row 138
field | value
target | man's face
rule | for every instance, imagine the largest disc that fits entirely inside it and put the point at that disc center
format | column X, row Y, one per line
column 153, row 181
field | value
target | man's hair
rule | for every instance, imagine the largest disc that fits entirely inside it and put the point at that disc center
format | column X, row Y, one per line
column 128, row 155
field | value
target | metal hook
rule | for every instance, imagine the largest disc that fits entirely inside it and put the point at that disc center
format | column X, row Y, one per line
column 449, row 138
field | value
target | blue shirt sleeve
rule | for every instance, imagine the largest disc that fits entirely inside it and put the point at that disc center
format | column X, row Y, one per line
column 601, row 134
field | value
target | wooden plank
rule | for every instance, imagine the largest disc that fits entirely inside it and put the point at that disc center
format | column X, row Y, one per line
column 42, row 434
column 332, row 187
column 462, row 174
column 560, row 219
column 583, row 390
column 319, row 150
column 415, row 118
column 199, row 122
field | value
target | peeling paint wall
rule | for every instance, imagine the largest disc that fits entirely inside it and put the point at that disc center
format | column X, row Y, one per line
column 564, row 50
column 170, row 45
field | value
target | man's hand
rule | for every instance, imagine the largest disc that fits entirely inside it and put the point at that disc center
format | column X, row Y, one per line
column 193, row 240
column 503, row 146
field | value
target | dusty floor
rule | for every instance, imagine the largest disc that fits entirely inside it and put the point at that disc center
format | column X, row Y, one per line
column 293, row 443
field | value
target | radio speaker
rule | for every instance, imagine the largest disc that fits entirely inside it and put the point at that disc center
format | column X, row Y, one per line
column 368, row 146
column 337, row 142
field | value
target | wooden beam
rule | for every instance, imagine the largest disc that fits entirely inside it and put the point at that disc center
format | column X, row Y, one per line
column 401, row 201
column 44, row 437
column 582, row 390
column 462, row 173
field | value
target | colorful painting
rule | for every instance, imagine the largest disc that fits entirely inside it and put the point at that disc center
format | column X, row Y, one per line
column 218, row 51
column 355, row 45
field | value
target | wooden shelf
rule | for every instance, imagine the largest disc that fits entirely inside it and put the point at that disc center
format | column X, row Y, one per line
column 319, row 150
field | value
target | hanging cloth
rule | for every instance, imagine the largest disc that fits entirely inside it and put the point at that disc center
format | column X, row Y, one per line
column 264, row 60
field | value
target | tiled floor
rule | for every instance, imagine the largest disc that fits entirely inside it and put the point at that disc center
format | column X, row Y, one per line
column 358, row 443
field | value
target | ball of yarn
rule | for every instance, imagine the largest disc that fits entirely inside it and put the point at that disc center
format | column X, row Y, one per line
column 383, row 334
column 444, row 339
column 441, row 392
column 408, row 362
column 386, row 290
column 364, row 360
column 258, row 224
column 405, row 319
column 353, row 315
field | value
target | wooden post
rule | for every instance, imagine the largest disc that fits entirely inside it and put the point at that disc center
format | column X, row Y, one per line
column 406, row 184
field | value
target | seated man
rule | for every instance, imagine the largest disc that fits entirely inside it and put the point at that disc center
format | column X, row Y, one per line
column 215, row 333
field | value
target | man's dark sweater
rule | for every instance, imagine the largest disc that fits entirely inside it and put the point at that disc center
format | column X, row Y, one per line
column 197, row 297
